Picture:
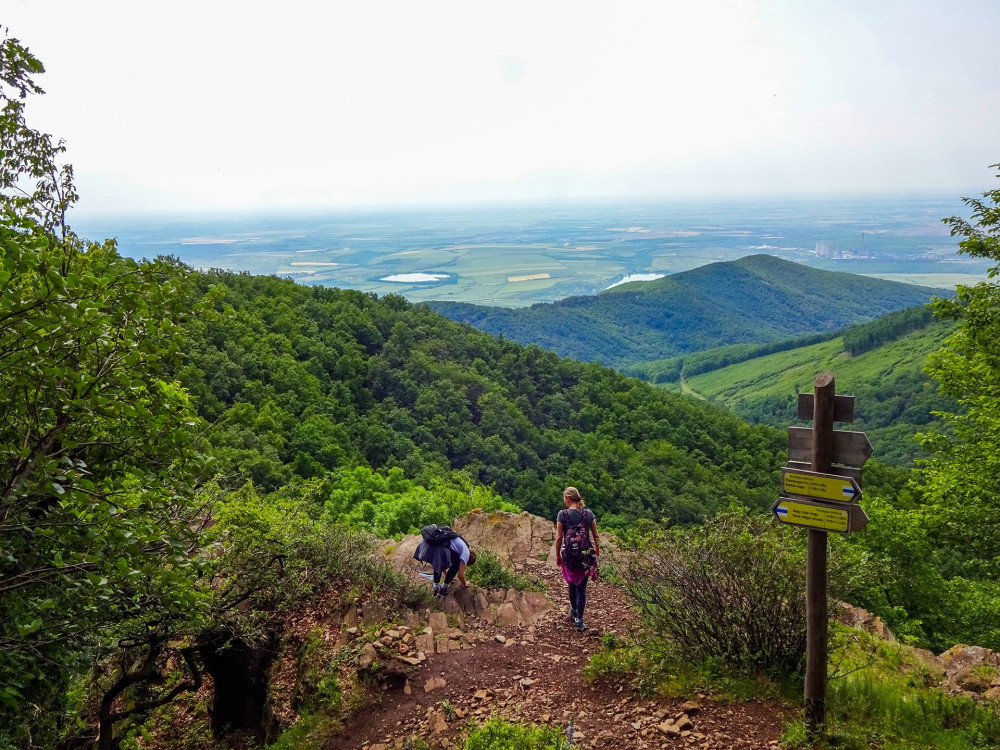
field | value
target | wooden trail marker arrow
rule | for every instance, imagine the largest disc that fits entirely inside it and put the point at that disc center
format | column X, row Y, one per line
column 813, row 484
column 851, row 448
column 843, row 407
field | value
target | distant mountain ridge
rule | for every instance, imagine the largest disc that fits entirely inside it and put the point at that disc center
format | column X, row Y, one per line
column 756, row 299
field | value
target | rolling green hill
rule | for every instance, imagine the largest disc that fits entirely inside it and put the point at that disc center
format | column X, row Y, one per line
column 756, row 299
column 894, row 396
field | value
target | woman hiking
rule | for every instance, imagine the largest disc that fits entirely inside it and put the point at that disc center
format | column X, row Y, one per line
column 575, row 552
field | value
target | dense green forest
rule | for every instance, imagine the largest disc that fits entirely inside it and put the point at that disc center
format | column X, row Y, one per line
column 187, row 457
column 755, row 300
column 300, row 381
column 673, row 369
column 863, row 338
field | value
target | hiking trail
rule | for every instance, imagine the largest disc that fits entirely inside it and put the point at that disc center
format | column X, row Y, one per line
column 532, row 674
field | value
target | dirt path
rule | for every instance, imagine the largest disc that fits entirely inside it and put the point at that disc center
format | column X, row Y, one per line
column 533, row 675
column 687, row 389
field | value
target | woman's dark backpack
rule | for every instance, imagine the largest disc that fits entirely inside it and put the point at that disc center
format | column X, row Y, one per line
column 436, row 535
column 578, row 551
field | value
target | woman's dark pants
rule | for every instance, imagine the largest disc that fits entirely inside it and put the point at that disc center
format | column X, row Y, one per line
column 578, row 597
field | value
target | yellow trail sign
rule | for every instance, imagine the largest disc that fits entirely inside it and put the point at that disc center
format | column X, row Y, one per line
column 820, row 515
column 820, row 486
column 810, row 515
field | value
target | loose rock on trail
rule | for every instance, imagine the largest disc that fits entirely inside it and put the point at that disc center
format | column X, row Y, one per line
column 531, row 674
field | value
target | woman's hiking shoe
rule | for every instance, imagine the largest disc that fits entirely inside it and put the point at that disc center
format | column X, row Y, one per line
column 572, row 614
column 440, row 589
column 580, row 625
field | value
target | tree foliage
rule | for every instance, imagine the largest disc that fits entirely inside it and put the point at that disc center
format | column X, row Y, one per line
column 866, row 336
column 963, row 477
column 98, row 450
column 306, row 382
column 390, row 505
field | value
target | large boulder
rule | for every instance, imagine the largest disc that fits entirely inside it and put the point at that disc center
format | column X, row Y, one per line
column 513, row 537
column 960, row 658
column 973, row 669
column 400, row 553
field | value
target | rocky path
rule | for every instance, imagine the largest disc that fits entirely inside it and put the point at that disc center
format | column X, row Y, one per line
column 533, row 675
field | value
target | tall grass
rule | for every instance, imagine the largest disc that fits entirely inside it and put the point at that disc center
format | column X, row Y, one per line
column 865, row 711
column 891, row 698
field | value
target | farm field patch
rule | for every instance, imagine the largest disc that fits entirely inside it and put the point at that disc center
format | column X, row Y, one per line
column 583, row 248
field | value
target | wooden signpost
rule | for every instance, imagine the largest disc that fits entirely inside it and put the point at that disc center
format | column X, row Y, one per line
column 821, row 497
column 851, row 448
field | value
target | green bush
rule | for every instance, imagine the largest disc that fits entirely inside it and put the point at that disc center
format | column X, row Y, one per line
column 275, row 553
column 311, row 732
column 497, row 734
column 491, row 573
column 618, row 659
column 731, row 591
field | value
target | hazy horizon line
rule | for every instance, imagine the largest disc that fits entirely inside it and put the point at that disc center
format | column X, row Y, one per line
column 543, row 203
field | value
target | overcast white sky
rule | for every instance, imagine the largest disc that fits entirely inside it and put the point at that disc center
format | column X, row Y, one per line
column 215, row 104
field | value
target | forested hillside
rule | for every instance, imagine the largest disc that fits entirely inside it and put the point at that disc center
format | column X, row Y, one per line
column 756, row 299
column 299, row 381
column 857, row 339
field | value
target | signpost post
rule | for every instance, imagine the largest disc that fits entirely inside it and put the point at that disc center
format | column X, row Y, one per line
column 816, row 577
column 821, row 497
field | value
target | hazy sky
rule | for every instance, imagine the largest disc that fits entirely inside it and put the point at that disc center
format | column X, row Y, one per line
column 214, row 104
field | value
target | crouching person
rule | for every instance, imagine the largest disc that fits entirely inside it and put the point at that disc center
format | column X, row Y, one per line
column 448, row 555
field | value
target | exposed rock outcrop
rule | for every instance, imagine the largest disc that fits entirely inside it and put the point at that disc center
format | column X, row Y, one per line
column 855, row 617
column 513, row 537
column 973, row 669
column 521, row 540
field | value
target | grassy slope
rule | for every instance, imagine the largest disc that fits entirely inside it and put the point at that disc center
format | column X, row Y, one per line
column 755, row 299
column 894, row 397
